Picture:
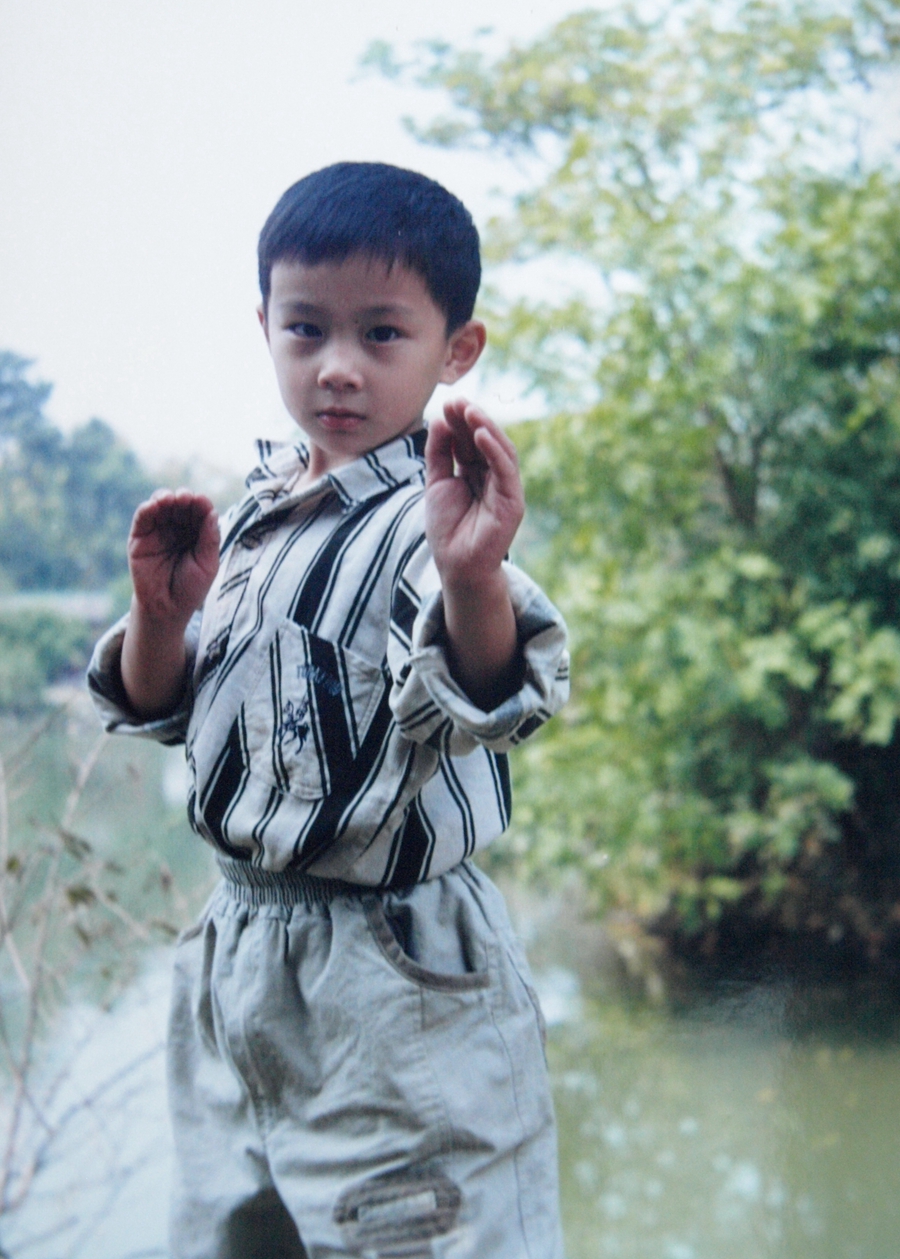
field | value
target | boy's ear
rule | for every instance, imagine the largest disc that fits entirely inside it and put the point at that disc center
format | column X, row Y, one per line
column 463, row 351
column 261, row 316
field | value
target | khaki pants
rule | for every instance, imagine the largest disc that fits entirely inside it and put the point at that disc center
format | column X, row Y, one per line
column 359, row 1073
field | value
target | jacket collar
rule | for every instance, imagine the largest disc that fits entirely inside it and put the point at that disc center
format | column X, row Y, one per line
column 281, row 464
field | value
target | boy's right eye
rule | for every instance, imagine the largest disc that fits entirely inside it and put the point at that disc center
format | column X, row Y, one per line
column 308, row 331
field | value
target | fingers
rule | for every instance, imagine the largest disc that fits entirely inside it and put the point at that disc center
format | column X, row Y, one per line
column 502, row 463
column 439, row 452
column 179, row 516
column 468, row 439
column 467, row 421
column 456, row 415
column 450, row 441
column 171, row 503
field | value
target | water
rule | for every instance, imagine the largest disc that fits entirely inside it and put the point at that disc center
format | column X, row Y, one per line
column 722, row 1133
column 102, row 1188
column 707, row 1135
column 756, row 1121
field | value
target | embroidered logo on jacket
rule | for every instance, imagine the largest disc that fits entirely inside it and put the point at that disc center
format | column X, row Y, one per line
column 292, row 724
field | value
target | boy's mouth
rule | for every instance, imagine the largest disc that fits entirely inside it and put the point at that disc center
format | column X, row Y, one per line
column 339, row 418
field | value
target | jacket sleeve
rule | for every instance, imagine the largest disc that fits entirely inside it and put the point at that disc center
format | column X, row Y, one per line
column 430, row 706
column 104, row 680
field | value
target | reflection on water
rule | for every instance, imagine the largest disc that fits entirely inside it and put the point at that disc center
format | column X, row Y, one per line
column 717, row 1134
column 760, row 1122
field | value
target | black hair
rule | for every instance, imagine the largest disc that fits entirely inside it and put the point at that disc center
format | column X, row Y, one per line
column 385, row 212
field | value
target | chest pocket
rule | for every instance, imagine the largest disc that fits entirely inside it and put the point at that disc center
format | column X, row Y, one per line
column 309, row 712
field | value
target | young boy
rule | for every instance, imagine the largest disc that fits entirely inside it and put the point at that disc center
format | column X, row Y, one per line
column 355, row 1056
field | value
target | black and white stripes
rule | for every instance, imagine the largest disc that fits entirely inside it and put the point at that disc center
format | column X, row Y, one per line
column 324, row 730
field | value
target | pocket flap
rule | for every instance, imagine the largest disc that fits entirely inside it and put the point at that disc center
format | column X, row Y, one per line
column 309, row 711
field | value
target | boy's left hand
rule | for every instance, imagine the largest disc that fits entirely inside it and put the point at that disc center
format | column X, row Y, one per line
column 474, row 501
column 473, row 506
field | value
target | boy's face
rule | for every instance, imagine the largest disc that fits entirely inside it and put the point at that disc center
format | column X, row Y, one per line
column 358, row 350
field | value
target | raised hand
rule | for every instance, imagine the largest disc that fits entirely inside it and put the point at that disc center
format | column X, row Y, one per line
column 474, row 501
column 173, row 554
column 473, row 507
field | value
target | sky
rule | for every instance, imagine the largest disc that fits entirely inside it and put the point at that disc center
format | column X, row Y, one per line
column 142, row 146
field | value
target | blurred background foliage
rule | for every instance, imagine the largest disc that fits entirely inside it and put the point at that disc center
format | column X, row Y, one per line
column 714, row 490
column 66, row 501
column 38, row 647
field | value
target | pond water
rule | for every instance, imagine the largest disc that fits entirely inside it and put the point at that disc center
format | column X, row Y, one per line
column 758, row 1120
column 719, row 1134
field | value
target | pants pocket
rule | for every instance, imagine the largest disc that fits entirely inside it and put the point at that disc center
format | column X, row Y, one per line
column 393, row 942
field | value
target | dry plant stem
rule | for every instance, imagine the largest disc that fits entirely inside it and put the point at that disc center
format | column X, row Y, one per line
column 45, row 915
column 85, row 769
column 37, row 881
column 136, row 928
column 37, row 732
column 5, row 932
column 91, row 1102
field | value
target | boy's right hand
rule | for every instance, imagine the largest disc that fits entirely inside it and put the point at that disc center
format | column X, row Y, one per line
column 173, row 554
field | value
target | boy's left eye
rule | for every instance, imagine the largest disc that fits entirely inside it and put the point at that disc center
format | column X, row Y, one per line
column 383, row 333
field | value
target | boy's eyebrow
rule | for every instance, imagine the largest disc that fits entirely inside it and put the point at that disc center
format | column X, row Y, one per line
column 296, row 306
column 389, row 308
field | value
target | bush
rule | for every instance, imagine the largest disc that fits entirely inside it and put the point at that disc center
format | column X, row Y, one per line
column 37, row 648
column 715, row 492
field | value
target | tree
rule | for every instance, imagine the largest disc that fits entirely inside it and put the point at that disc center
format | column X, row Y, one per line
column 715, row 495
column 65, row 502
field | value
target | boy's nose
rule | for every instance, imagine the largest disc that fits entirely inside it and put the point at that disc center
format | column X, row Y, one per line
column 339, row 369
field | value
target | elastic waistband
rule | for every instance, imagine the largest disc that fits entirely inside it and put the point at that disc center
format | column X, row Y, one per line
column 253, row 886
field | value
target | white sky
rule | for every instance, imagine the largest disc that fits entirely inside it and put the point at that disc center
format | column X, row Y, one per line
column 143, row 143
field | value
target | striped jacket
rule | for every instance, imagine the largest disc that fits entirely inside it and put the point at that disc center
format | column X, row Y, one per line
column 323, row 728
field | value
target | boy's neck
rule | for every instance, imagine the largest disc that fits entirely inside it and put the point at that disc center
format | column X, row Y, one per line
column 321, row 462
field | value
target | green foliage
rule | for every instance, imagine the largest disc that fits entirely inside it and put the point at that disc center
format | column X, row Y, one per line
column 65, row 502
column 38, row 647
column 717, row 506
